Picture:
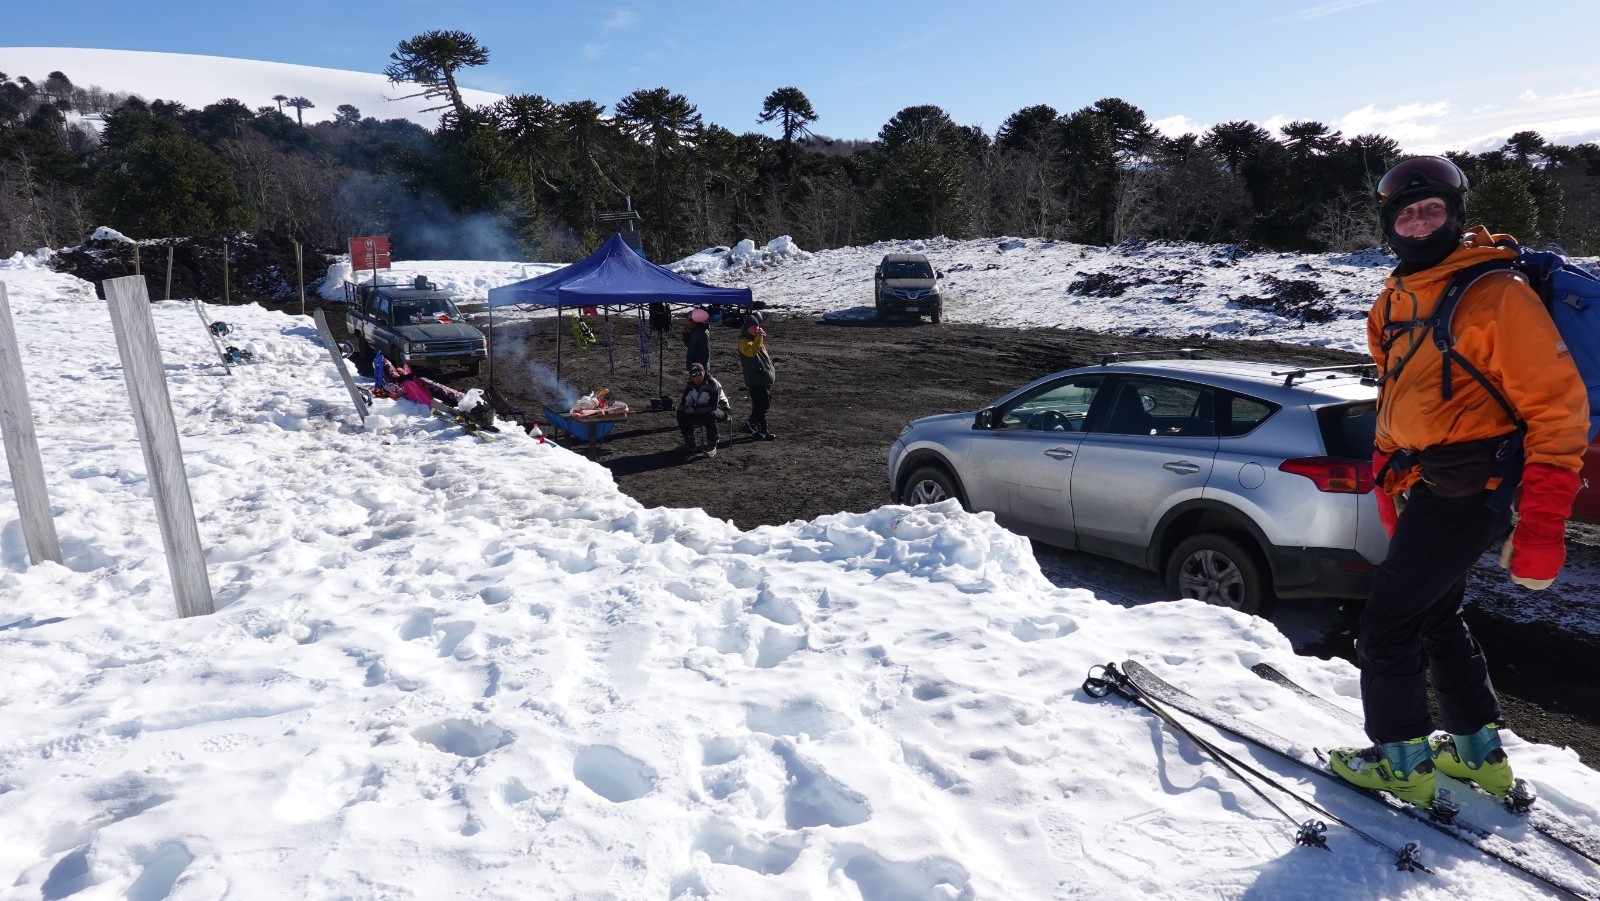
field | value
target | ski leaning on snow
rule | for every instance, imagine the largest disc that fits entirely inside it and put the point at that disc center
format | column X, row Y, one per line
column 216, row 340
column 1103, row 680
column 1552, row 824
column 1540, row 861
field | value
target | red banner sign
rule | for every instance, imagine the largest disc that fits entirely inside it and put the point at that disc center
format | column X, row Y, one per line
column 371, row 252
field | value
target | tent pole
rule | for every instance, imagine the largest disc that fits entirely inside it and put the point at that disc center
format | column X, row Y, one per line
column 558, row 352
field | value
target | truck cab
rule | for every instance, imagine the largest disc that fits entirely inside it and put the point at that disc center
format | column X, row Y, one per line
column 413, row 324
column 906, row 284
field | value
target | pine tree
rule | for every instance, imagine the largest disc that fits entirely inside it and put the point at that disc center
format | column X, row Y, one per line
column 431, row 59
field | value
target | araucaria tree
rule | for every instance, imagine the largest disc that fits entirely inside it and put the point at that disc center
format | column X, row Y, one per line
column 300, row 105
column 667, row 123
column 431, row 59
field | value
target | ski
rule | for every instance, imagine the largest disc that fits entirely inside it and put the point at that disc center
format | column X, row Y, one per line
column 1548, row 868
column 1552, row 824
column 216, row 339
column 1103, row 680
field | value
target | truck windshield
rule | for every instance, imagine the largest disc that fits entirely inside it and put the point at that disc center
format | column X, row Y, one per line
column 424, row 311
column 907, row 270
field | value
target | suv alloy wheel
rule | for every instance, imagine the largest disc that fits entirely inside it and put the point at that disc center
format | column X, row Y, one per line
column 929, row 485
column 1219, row 569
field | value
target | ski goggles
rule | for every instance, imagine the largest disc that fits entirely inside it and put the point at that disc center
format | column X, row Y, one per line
column 1421, row 172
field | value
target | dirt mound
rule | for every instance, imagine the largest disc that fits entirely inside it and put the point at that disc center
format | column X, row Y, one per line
column 259, row 267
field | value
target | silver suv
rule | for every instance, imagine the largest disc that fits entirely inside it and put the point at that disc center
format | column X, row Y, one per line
column 1239, row 482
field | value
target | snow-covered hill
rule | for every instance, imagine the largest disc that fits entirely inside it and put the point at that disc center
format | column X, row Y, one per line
column 448, row 668
column 197, row 81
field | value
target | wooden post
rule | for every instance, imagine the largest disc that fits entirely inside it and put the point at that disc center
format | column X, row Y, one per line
column 169, row 269
column 22, row 446
column 135, row 331
column 300, row 274
column 225, row 295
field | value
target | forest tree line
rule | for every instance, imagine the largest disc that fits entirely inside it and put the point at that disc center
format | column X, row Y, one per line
column 527, row 177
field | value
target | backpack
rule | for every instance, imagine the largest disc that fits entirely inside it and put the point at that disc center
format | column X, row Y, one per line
column 1571, row 296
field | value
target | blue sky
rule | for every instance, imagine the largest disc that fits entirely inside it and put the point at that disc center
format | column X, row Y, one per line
column 1431, row 74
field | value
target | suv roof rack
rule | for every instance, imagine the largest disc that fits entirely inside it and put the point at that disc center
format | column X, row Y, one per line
column 1291, row 374
column 1186, row 353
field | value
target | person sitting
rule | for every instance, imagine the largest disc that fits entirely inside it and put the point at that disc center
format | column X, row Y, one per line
column 702, row 405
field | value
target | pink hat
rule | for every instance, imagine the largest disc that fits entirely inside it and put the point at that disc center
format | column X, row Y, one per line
column 699, row 315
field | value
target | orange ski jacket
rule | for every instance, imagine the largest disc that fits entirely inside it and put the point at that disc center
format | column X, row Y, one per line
column 1502, row 327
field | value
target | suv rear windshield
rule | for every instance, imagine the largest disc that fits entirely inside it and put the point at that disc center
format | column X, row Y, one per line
column 1347, row 429
column 907, row 270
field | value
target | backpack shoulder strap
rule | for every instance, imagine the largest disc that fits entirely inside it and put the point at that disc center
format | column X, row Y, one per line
column 1444, row 337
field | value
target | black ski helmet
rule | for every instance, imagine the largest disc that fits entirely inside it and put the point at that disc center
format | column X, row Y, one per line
column 1416, row 177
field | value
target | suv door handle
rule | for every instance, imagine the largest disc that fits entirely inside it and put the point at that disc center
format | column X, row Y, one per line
column 1181, row 467
column 1058, row 453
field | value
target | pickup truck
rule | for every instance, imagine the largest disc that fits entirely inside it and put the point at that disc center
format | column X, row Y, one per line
column 414, row 324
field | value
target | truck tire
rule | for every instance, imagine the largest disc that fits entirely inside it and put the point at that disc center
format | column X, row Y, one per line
column 937, row 315
column 475, row 367
column 363, row 356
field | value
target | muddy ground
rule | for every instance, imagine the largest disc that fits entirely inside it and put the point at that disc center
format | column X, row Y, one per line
column 845, row 389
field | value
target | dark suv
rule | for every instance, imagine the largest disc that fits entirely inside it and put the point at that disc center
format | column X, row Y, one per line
column 906, row 284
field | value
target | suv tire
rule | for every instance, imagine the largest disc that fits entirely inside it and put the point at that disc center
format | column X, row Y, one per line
column 1219, row 569
column 938, row 314
column 929, row 485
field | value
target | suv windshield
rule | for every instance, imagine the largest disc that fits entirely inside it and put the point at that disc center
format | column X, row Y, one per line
column 907, row 270
column 424, row 311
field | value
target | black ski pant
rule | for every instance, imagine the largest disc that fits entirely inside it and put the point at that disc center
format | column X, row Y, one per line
column 1412, row 627
column 760, row 402
column 687, row 422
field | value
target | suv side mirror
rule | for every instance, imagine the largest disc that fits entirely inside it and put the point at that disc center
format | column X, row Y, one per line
column 984, row 419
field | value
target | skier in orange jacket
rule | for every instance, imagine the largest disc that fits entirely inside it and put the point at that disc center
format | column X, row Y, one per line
column 1448, row 459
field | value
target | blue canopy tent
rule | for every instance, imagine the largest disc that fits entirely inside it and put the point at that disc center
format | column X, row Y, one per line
column 613, row 277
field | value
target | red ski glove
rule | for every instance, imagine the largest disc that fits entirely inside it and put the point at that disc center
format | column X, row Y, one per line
column 1539, row 544
column 1387, row 513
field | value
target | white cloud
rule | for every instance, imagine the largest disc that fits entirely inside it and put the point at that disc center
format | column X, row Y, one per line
column 1178, row 126
column 622, row 18
column 1330, row 9
column 595, row 51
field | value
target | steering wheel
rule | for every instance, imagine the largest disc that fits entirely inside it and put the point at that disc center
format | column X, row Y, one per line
column 1052, row 421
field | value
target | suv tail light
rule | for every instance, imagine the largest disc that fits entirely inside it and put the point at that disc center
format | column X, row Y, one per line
column 1337, row 475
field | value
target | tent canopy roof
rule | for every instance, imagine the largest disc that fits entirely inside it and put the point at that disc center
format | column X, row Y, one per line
column 614, row 275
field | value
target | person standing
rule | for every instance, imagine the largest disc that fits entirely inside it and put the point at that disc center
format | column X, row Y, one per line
column 1447, row 463
column 759, row 375
column 702, row 405
column 697, row 339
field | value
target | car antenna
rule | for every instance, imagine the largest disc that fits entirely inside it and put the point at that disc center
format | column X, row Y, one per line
column 1291, row 374
column 1186, row 353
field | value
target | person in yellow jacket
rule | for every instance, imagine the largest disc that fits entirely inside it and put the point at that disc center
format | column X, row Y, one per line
column 1449, row 456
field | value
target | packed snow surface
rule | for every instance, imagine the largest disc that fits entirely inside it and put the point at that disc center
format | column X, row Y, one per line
column 442, row 667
